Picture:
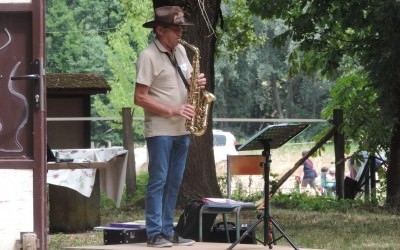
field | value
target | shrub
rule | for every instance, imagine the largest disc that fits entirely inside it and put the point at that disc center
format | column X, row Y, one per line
column 306, row 202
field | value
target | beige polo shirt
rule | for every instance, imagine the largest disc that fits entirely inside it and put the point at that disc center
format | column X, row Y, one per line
column 154, row 69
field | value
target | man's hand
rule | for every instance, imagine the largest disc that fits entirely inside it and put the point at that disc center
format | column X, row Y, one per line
column 185, row 110
column 201, row 80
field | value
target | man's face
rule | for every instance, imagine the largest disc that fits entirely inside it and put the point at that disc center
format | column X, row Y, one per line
column 170, row 35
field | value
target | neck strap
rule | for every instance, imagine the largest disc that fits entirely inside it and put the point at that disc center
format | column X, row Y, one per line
column 176, row 66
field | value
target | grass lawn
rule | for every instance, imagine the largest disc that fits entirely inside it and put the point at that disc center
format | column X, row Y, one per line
column 322, row 226
column 323, row 230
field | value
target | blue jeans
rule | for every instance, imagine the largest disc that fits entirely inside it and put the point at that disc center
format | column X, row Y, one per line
column 167, row 160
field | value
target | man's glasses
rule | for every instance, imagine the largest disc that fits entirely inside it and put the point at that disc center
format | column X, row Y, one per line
column 176, row 28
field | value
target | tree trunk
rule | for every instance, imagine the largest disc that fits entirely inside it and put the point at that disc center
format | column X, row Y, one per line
column 314, row 97
column 200, row 178
column 275, row 95
column 393, row 172
column 338, row 139
column 290, row 98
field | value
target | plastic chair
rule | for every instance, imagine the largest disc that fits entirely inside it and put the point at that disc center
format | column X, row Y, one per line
column 236, row 165
column 243, row 165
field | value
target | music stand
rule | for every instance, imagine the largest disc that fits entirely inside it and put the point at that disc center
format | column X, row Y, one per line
column 270, row 137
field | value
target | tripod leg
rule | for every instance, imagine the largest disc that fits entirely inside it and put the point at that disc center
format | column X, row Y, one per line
column 277, row 226
column 269, row 232
column 250, row 229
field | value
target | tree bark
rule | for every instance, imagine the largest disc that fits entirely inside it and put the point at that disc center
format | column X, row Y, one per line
column 393, row 171
column 275, row 95
column 290, row 98
column 338, row 139
column 200, row 178
column 314, row 97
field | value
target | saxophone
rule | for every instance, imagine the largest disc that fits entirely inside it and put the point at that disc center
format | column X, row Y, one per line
column 199, row 98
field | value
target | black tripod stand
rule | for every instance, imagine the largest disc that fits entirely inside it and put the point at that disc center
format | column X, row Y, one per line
column 274, row 136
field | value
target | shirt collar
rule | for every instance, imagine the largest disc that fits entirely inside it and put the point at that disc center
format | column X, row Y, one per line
column 161, row 47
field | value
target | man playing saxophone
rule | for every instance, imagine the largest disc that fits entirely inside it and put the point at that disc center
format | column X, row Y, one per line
column 160, row 90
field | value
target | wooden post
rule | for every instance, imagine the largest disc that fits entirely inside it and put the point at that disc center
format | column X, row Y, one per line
column 370, row 180
column 128, row 145
column 373, row 178
column 338, row 138
column 367, row 183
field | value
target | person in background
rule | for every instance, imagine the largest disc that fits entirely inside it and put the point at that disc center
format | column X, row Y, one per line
column 328, row 180
column 309, row 174
column 162, row 69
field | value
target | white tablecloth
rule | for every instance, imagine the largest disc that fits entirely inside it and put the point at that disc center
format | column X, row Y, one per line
column 112, row 177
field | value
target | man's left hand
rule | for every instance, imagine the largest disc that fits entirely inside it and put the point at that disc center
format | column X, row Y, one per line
column 201, row 80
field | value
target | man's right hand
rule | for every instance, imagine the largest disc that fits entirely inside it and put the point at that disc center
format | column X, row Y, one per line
column 185, row 110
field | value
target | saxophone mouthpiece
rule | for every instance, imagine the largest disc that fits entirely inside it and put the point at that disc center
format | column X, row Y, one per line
column 183, row 42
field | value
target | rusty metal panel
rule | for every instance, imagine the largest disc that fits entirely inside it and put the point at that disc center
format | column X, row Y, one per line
column 15, row 1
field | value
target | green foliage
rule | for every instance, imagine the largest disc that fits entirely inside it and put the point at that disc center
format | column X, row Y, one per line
column 240, row 195
column 236, row 31
column 137, row 201
column 363, row 121
column 368, row 33
column 76, row 35
column 129, row 202
column 101, row 16
column 325, row 38
column 305, row 202
column 105, row 202
column 223, row 185
column 124, row 45
column 62, row 38
column 99, row 37
column 259, row 75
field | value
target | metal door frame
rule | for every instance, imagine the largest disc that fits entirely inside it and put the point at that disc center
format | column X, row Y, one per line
column 37, row 10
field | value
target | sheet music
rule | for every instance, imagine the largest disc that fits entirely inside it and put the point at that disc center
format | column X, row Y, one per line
column 226, row 202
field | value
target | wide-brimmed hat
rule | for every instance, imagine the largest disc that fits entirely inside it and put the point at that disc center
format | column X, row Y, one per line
column 167, row 15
